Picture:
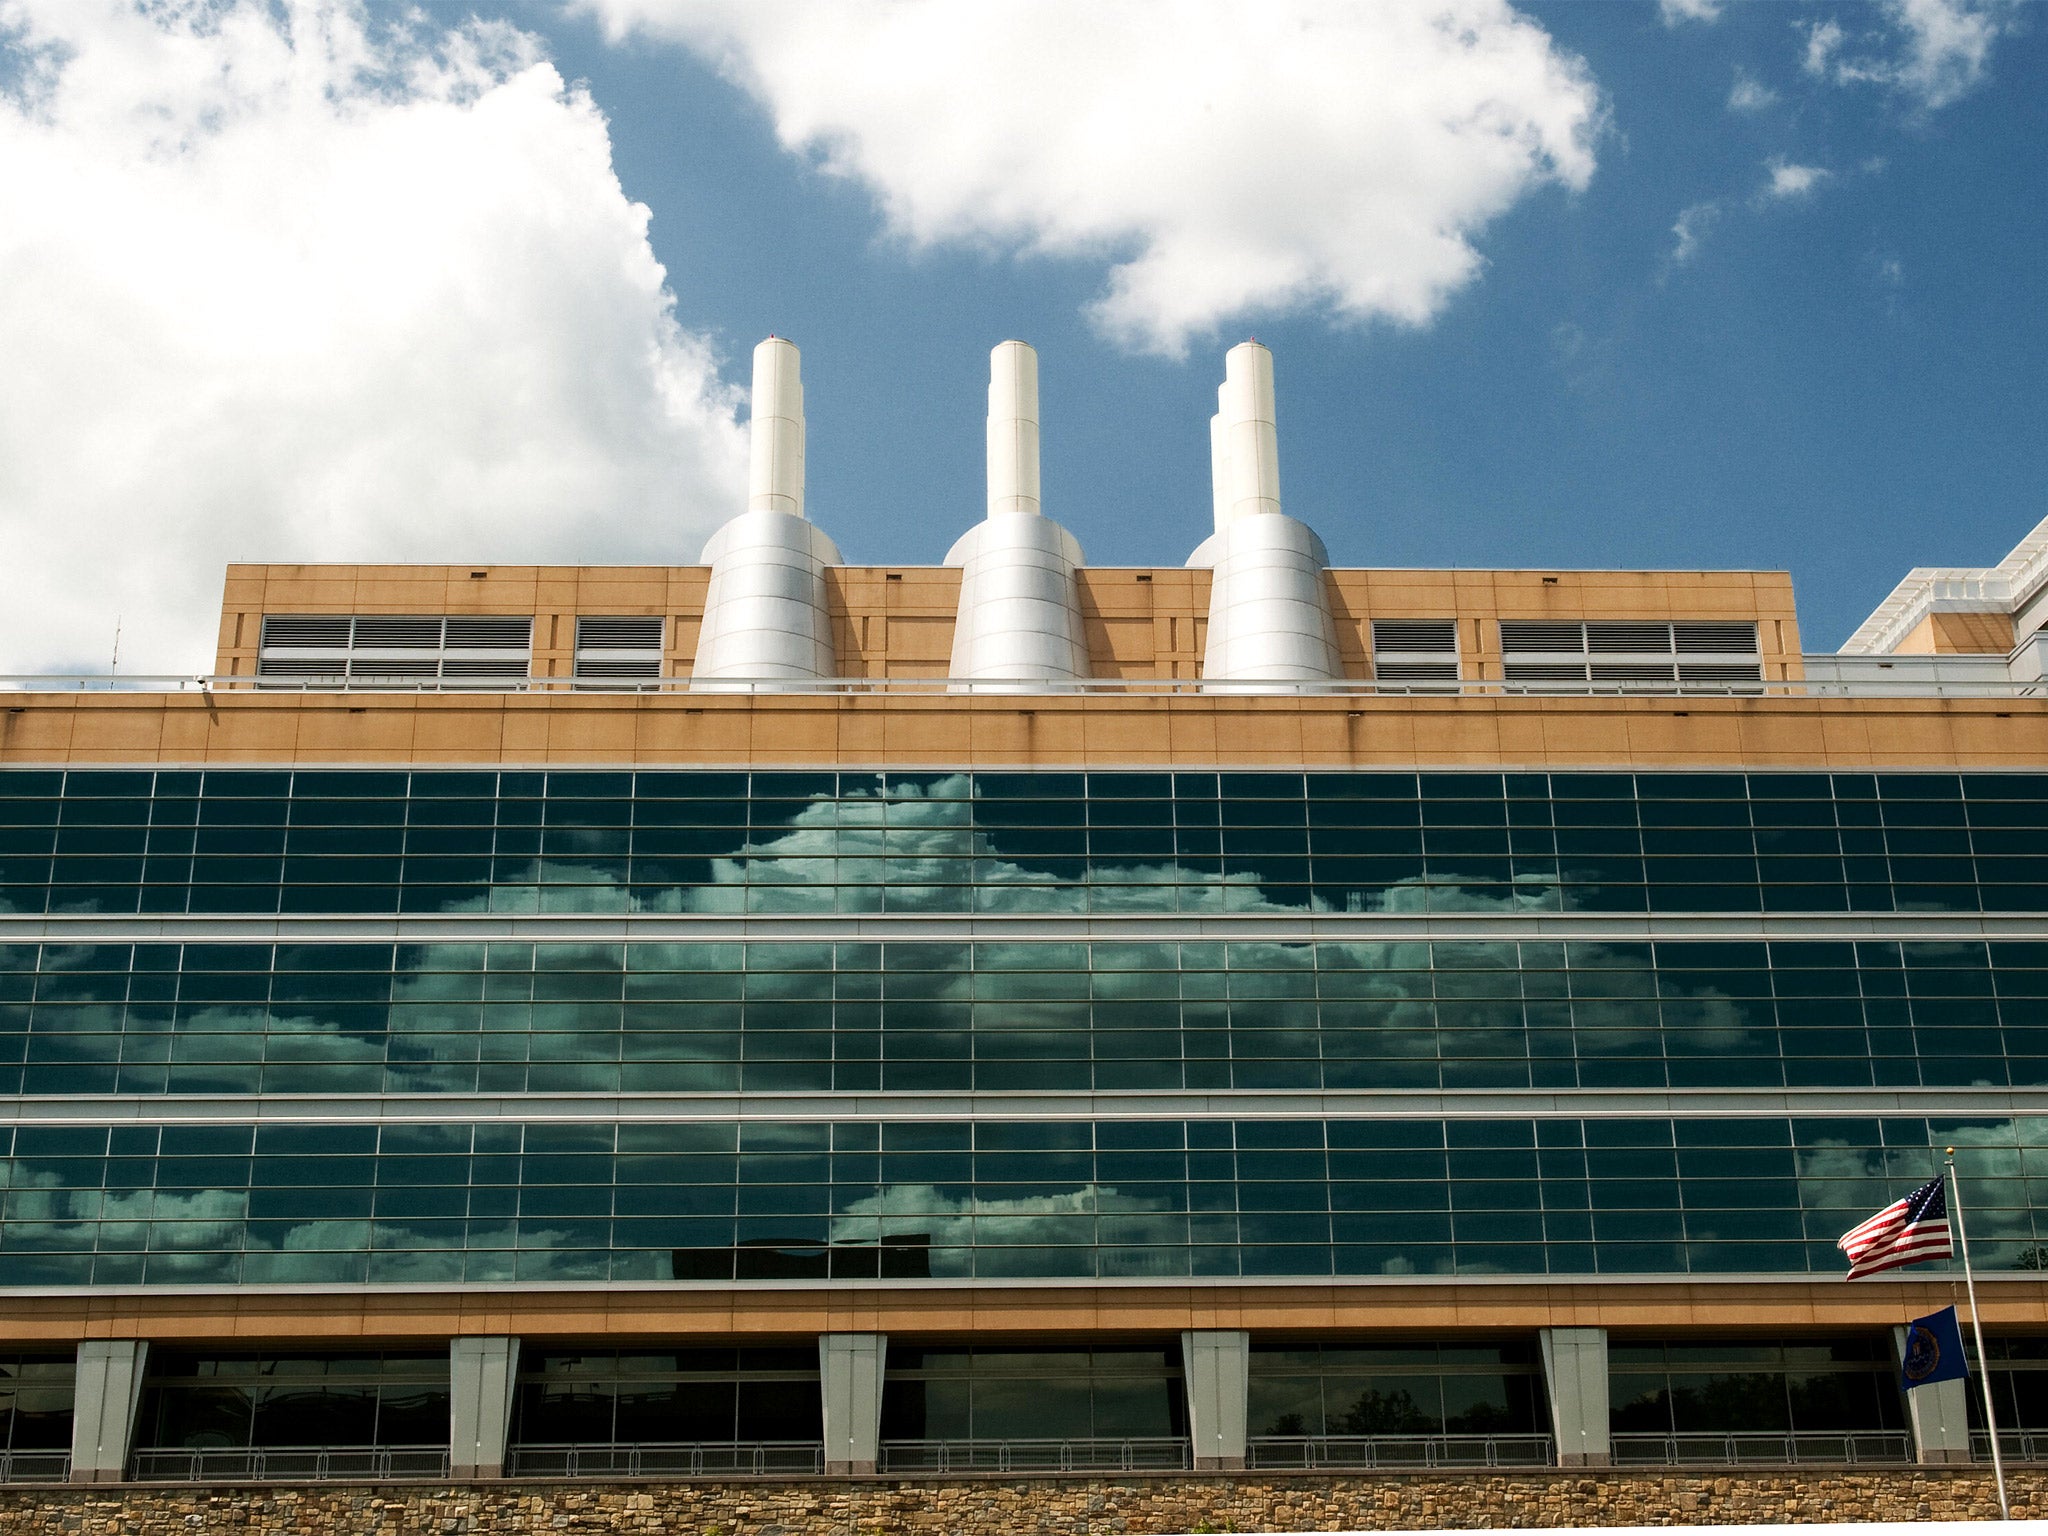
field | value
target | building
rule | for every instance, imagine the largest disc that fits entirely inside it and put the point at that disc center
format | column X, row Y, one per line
column 775, row 1015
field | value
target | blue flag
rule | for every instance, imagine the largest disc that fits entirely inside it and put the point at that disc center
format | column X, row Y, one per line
column 1934, row 1350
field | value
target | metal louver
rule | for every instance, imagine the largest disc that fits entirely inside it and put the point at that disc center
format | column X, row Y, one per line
column 622, row 647
column 1629, row 655
column 1415, row 650
column 364, row 650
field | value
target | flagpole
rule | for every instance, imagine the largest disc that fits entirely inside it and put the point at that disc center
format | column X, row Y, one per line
column 1977, row 1330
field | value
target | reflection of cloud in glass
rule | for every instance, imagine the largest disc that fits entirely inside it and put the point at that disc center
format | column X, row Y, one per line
column 955, row 1223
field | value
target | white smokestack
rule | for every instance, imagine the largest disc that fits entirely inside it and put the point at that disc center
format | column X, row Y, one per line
column 1012, row 429
column 767, row 616
column 1019, row 620
column 1244, row 443
column 1270, row 623
column 775, row 482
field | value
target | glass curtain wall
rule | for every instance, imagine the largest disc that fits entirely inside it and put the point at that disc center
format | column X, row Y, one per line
column 1317, row 1404
column 283, row 1415
column 994, row 1407
column 35, row 1417
column 1825, row 1400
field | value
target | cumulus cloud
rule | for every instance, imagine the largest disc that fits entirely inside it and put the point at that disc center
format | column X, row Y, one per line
column 1933, row 52
column 282, row 283
column 1790, row 180
column 1223, row 159
column 1691, row 229
column 1676, row 12
column 1749, row 94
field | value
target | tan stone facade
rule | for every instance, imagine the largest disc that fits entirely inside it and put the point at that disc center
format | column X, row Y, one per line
column 995, row 1506
column 897, row 621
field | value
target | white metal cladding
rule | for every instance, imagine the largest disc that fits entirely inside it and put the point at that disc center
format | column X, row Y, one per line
column 765, row 612
column 1020, row 608
column 369, row 647
column 1269, row 604
column 766, row 616
column 624, row 646
column 1415, row 650
column 1628, row 651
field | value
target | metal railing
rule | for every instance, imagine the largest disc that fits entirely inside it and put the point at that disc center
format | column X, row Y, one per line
column 34, row 1466
column 2013, row 1444
column 1163, row 1453
column 758, row 1457
column 1764, row 1448
column 290, row 1464
column 1316, row 1451
column 1828, row 676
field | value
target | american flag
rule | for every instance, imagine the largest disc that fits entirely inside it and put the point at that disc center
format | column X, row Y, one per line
column 1908, row 1231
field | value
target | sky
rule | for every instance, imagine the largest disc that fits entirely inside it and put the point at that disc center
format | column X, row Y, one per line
column 1684, row 283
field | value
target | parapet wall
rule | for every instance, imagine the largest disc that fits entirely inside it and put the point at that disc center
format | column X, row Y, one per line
column 1078, row 1506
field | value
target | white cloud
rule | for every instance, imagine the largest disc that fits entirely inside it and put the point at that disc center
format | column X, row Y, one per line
column 1691, row 228
column 1749, row 94
column 1676, row 12
column 1224, row 159
column 1788, row 180
column 281, row 284
column 1934, row 52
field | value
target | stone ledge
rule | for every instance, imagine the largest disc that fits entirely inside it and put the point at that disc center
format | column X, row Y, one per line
column 1005, row 1506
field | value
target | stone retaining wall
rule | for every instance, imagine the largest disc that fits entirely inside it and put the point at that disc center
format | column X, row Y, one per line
column 1075, row 1506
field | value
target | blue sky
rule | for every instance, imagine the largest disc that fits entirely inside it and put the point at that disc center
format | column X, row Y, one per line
column 1802, row 328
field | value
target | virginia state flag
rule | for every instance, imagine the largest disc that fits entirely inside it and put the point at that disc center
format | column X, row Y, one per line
column 1934, row 1350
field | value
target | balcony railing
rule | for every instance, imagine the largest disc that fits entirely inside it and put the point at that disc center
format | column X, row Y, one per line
column 1768, row 1448
column 1316, row 1451
column 710, row 1459
column 1827, row 676
column 290, row 1464
column 2013, row 1445
column 34, row 1466
column 1163, row 1453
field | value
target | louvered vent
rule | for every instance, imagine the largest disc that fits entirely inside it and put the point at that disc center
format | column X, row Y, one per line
column 1415, row 650
column 1629, row 655
column 621, row 647
column 367, row 649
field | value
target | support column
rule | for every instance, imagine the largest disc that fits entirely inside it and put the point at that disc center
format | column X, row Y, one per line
column 1939, row 1416
column 483, row 1372
column 1216, row 1366
column 103, row 1408
column 850, row 1369
column 1575, row 1375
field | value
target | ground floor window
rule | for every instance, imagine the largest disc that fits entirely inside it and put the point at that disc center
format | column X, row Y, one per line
column 1816, row 1399
column 1032, row 1406
column 254, row 1414
column 601, row 1409
column 35, row 1416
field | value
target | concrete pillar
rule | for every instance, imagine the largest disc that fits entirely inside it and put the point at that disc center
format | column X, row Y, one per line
column 483, row 1373
column 1216, row 1365
column 1939, row 1415
column 850, row 1369
column 1575, row 1376
column 108, row 1393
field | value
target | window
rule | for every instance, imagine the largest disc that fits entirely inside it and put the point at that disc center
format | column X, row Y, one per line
column 1415, row 650
column 1628, row 654
column 603, row 1409
column 1733, row 1400
column 35, row 1417
column 627, row 647
column 373, row 648
column 952, row 1395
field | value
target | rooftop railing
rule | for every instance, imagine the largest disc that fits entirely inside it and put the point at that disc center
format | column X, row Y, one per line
column 290, row 1464
column 34, row 1466
column 1824, row 1448
column 1826, row 676
column 1313, row 1452
column 707, row 1459
column 1163, row 1453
